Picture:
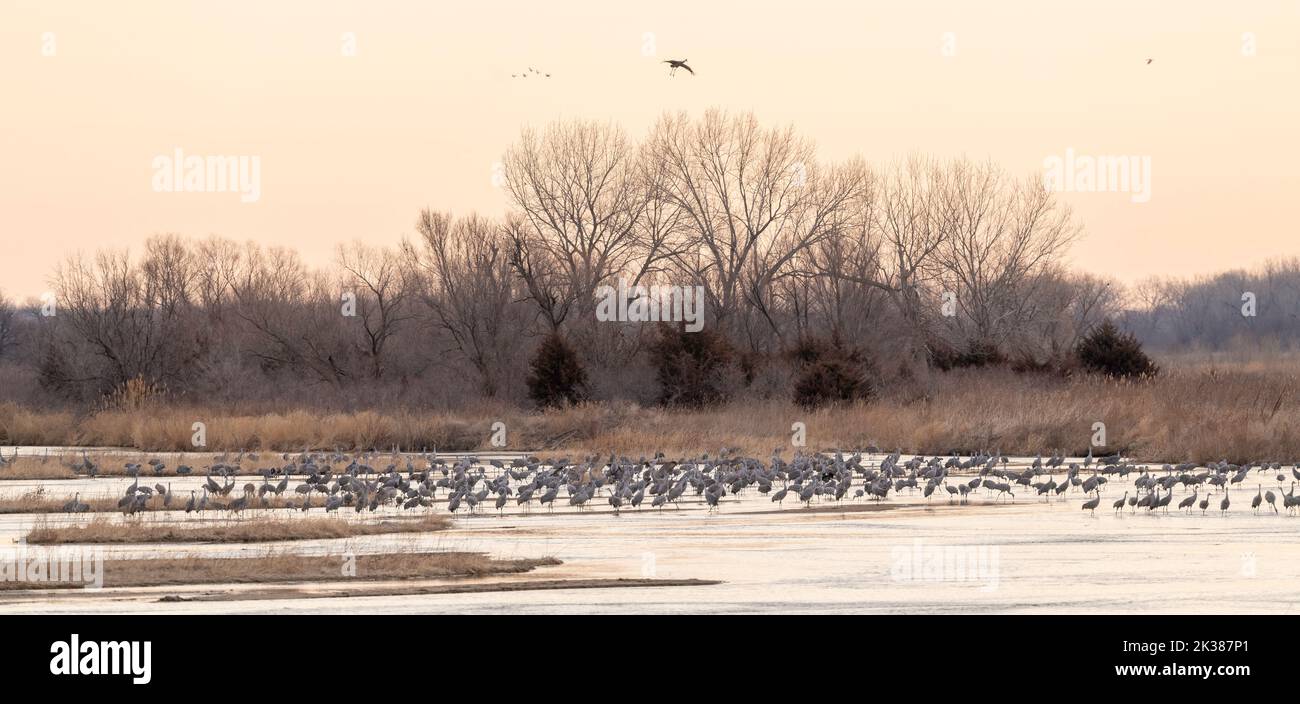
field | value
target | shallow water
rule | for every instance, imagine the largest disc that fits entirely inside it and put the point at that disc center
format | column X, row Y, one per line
column 913, row 556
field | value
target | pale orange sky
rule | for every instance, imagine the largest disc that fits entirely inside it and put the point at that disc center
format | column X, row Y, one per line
column 353, row 147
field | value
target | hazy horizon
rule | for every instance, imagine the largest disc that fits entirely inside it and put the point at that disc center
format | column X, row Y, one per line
column 352, row 147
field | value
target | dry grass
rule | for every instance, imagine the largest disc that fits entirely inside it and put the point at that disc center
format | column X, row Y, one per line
column 297, row 568
column 258, row 530
column 39, row 501
column 68, row 465
column 1186, row 415
column 37, row 468
column 1201, row 410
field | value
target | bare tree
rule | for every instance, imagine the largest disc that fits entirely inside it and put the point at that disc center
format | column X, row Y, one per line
column 378, row 279
column 8, row 325
column 581, row 198
column 837, row 299
column 133, row 319
column 1057, row 310
column 169, row 271
column 220, row 260
column 894, row 248
column 999, row 236
column 283, row 305
column 469, row 287
column 748, row 199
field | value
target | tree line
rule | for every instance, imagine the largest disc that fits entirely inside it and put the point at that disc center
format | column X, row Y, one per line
column 854, row 273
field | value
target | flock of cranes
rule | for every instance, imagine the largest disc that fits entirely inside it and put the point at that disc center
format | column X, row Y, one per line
column 673, row 65
column 370, row 481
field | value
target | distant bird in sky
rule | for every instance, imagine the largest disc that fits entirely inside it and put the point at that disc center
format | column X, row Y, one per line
column 678, row 63
column 530, row 70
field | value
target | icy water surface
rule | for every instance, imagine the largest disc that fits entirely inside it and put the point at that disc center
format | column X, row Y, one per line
column 903, row 555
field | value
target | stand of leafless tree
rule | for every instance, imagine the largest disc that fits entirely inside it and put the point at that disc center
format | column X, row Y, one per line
column 915, row 264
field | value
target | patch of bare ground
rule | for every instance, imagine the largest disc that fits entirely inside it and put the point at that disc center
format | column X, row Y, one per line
column 256, row 530
column 835, row 508
column 329, row 591
column 289, row 568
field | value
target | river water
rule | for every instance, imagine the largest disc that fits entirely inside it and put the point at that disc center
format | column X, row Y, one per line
column 905, row 555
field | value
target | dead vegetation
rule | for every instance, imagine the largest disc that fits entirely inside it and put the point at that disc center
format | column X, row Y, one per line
column 36, row 468
column 323, row 591
column 102, row 531
column 39, row 501
column 298, row 568
column 1198, row 412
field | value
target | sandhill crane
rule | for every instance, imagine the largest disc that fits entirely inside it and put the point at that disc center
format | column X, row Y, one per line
column 1145, row 501
column 807, row 477
column 779, row 496
column 1092, row 504
column 676, row 64
column 548, row 498
column 75, row 505
column 1163, row 502
column 1205, row 503
column 711, row 497
column 806, row 493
